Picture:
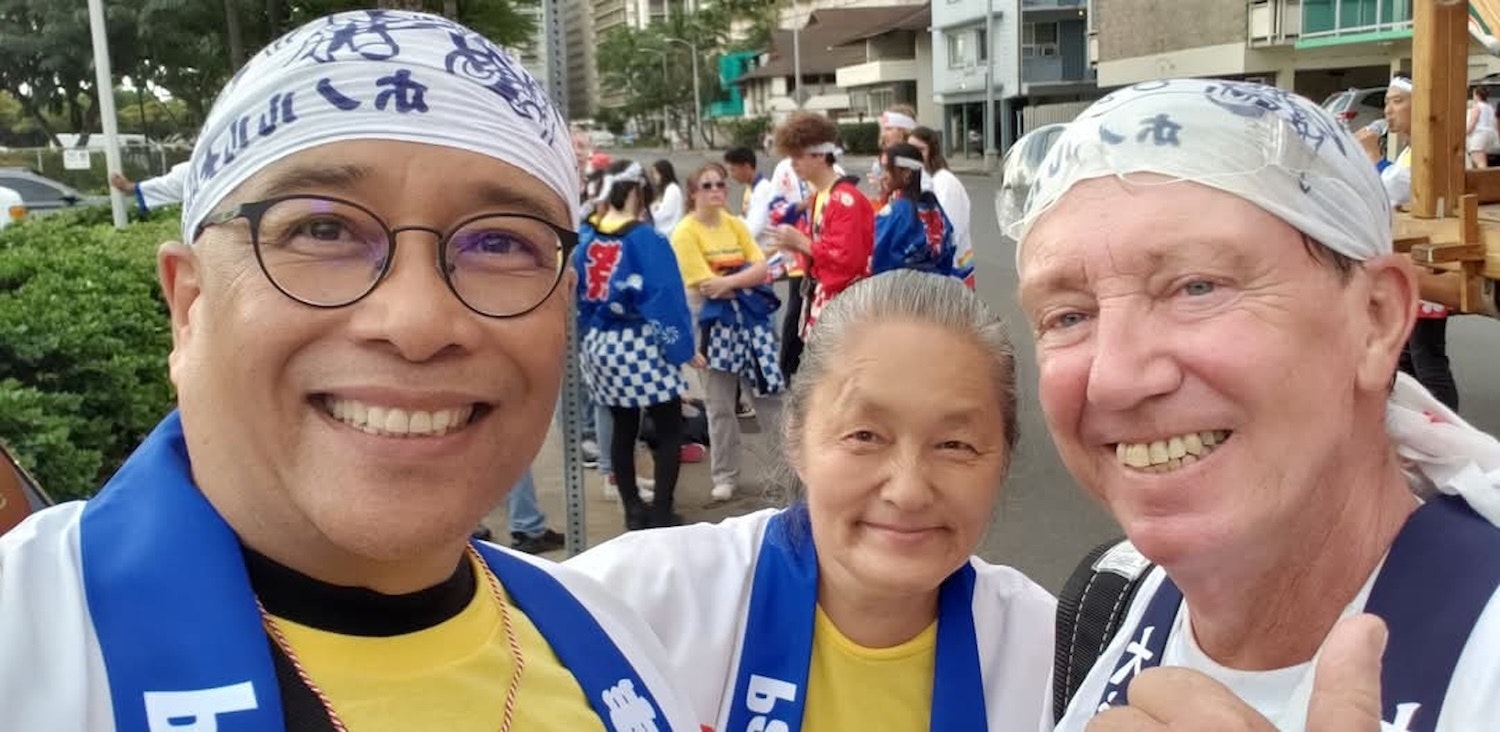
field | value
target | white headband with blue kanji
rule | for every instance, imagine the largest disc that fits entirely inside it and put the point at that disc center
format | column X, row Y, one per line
column 377, row 74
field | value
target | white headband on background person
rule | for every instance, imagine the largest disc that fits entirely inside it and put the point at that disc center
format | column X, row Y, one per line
column 377, row 75
column 825, row 148
column 1401, row 83
column 1287, row 156
column 632, row 173
column 897, row 119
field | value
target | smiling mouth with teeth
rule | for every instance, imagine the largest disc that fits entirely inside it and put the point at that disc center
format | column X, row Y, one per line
column 397, row 422
column 1164, row 456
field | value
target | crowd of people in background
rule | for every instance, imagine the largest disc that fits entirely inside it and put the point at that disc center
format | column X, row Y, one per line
column 678, row 284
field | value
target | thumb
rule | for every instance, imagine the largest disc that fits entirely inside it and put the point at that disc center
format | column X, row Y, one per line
column 1346, row 684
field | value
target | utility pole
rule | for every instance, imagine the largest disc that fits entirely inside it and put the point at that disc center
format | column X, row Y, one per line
column 697, row 91
column 104, row 85
column 991, row 155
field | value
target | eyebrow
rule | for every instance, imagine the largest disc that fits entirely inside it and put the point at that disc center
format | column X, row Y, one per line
column 302, row 178
column 343, row 178
column 1068, row 275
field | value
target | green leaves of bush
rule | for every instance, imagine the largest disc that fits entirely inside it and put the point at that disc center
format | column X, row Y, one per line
column 84, row 337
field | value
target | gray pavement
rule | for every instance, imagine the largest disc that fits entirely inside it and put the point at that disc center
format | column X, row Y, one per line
column 1045, row 523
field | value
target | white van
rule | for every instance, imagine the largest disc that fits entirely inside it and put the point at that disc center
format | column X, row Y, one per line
column 12, row 208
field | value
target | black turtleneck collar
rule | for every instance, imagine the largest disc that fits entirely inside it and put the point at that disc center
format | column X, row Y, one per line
column 287, row 593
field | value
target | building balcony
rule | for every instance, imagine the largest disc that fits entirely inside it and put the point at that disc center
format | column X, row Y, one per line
column 1052, row 10
column 876, row 72
column 1274, row 22
column 1326, row 22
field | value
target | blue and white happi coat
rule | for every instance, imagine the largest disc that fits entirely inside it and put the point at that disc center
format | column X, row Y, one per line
column 635, row 328
column 740, row 338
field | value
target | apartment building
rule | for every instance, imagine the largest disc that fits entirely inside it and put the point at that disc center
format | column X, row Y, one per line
column 581, row 59
column 1041, row 70
column 1314, row 47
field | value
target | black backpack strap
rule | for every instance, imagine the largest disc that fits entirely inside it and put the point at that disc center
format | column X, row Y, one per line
column 1090, row 609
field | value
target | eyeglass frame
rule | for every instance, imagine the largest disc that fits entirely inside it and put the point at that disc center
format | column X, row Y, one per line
column 713, row 185
column 253, row 211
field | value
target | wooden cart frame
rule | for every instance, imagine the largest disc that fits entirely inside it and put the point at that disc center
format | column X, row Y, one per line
column 1452, row 224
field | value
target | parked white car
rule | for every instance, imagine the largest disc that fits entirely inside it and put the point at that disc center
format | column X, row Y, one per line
column 12, row 207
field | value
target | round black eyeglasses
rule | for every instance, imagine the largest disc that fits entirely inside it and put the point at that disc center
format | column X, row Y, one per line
column 329, row 253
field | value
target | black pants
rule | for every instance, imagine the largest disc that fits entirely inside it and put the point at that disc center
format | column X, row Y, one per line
column 791, row 324
column 1426, row 358
column 667, row 420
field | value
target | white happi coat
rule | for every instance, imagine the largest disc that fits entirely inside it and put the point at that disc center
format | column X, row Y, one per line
column 1282, row 695
column 52, row 673
column 693, row 586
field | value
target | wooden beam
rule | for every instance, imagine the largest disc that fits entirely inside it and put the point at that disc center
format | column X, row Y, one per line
column 1440, row 46
column 1483, row 183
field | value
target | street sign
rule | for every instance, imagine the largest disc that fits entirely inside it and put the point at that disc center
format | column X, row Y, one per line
column 77, row 160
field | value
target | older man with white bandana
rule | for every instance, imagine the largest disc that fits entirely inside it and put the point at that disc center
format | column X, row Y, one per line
column 1218, row 314
column 368, row 311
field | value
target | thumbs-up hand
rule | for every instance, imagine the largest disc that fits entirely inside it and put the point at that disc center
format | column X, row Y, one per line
column 1346, row 684
column 1345, row 697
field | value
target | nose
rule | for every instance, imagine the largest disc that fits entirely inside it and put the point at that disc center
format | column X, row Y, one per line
column 1132, row 362
column 906, row 484
column 412, row 312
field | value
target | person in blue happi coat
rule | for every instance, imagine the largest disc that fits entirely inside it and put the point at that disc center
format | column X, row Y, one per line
column 911, row 230
column 636, row 334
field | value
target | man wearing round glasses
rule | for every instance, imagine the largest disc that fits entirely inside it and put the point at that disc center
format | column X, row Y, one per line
column 368, row 313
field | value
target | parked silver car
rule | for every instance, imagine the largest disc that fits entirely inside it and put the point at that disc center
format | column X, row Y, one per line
column 44, row 195
column 1357, row 108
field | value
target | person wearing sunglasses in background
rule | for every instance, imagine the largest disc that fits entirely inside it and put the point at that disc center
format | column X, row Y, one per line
column 725, row 273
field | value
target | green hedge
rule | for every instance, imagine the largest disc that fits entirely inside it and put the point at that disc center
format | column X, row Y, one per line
column 860, row 138
column 84, row 337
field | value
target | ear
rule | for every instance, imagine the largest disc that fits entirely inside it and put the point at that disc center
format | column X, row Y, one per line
column 1391, row 309
column 177, row 268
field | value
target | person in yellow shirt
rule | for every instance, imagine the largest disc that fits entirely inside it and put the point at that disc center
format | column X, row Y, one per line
column 725, row 273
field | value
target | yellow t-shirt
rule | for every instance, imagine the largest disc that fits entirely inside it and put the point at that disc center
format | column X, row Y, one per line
column 451, row 677
column 850, row 687
column 704, row 252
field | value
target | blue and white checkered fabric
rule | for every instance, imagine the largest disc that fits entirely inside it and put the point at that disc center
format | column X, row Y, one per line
column 753, row 352
column 624, row 368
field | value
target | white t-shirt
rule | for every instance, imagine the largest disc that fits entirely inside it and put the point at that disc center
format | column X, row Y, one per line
column 757, row 212
column 954, row 199
column 667, row 210
column 1282, row 695
column 785, row 183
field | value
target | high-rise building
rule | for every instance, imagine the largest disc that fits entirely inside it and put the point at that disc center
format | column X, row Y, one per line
column 580, row 43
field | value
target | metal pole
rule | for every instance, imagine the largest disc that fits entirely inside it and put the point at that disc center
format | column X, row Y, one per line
column 698, row 100
column 796, row 62
column 105, row 88
column 557, row 72
column 991, row 155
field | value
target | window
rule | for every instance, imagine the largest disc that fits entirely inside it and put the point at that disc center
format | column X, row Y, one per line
column 1038, row 40
column 967, row 48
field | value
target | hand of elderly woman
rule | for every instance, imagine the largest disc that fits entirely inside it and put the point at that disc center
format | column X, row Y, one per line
column 1345, row 697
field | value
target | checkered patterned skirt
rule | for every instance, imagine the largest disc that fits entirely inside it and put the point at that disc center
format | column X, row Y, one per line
column 623, row 367
column 751, row 351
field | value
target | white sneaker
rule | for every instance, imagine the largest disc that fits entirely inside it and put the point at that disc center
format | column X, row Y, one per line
column 722, row 492
column 644, row 486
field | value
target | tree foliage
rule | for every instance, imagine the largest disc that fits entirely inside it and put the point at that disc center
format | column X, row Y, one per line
column 653, row 72
column 186, row 48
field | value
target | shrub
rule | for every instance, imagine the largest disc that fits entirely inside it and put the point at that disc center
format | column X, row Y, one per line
column 860, row 138
column 750, row 131
column 84, row 337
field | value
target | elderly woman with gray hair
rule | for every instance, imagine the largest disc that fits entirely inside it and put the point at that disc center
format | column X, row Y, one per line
column 862, row 606
column 1218, row 313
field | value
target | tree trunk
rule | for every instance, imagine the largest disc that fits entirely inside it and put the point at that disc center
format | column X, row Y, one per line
column 400, row 4
column 450, row 9
column 236, row 35
column 29, row 106
column 273, row 19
